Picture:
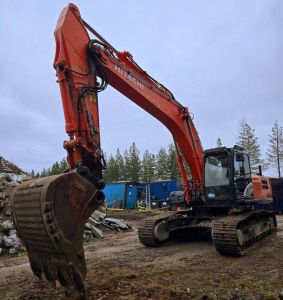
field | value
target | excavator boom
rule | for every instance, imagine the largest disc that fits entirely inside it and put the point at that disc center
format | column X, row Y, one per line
column 79, row 61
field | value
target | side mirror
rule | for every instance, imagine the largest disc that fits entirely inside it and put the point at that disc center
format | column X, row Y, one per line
column 240, row 156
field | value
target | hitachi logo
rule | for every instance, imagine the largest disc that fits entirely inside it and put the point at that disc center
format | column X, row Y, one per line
column 129, row 77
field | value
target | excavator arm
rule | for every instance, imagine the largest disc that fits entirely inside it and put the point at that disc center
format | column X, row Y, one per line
column 79, row 60
column 50, row 212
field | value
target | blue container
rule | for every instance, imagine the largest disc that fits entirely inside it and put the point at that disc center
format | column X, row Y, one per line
column 162, row 189
column 115, row 194
column 123, row 194
column 134, row 192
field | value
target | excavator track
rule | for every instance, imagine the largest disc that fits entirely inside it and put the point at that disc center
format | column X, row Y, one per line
column 147, row 232
column 240, row 233
column 165, row 227
column 49, row 215
column 234, row 234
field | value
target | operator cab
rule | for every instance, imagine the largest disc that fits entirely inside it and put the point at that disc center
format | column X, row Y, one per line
column 227, row 173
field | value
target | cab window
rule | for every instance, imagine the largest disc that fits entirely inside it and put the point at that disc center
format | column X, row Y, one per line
column 242, row 168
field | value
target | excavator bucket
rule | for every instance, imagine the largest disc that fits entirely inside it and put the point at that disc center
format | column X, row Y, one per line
column 50, row 214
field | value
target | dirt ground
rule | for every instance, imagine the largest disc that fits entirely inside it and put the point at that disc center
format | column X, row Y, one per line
column 119, row 267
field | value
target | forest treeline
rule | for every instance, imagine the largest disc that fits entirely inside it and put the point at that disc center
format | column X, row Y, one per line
column 132, row 165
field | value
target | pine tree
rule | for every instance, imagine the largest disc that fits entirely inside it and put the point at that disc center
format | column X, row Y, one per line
column 112, row 172
column 148, row 167
column 134, row 167
column 63, row 165
column 56, row 168
column 219, row 142
column 126, row 159
column 275, row 148
column 172, row 165
column 105, row 174
column 249, row 141
column 162, row 164
column 43, row 173
column 120, row 165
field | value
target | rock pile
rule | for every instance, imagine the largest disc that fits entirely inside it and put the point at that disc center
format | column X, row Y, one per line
column 8, row 169
column 7, row 185
column 99, row 223
column 96, row 227
column 9, row 242
column 10, row 176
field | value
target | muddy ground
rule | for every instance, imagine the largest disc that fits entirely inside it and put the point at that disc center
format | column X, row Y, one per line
column 119, row 267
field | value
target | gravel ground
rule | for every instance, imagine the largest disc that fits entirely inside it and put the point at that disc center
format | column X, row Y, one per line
column 119, row 267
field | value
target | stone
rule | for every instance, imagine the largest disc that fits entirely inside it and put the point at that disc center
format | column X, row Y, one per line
column 7, row 241
column 93, row 222
column 120, row 223
column 13, row 251
column 7, row 211
column 97, row 232
column 12, row 232
column 98, row 216
column 7, row 225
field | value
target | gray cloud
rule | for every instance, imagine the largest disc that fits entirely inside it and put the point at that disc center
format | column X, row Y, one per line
column 222, row 59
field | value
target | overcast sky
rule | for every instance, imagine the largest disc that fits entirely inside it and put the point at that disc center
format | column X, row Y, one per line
column 222, row 59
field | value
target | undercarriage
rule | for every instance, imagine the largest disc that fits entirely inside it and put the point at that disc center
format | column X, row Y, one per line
column 233, row 234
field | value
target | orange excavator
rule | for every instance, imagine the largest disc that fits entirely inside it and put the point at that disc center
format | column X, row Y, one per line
column 50, row 213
